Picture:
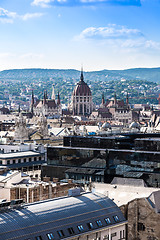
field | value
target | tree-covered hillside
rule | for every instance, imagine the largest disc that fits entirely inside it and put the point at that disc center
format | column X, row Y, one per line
column 141, row 84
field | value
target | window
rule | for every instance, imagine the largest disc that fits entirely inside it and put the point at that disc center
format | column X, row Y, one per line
column 99, row 223
column 80, row 109
column 106, row 237
column 39, row 158
column 80, row 228
column 14, row 161
column 35, row 158
column 90, row 225
column 38, row 238
column 113, row 235
column 19, row 160
column 60, row 233
column 107, row 220
column 50, row 236
column 122, row 234
column 71, row 230
column 8, row 162
column 24, row 160
column 30, row 159
column 141, row 227
column 116, row 218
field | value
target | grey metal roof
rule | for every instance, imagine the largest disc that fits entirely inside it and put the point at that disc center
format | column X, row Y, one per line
column 49, row 216
column 77, row 148
column 21, row 154
column 128, row 181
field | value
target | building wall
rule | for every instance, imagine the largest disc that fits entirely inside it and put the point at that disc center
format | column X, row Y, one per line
column 40, row 192
column 82, row 105
column 112, row 233
column 124, row 116
column 143, row 221
column 22, row 159
column 5, row 193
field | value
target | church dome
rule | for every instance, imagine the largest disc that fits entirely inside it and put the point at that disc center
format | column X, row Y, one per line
column 82, row 89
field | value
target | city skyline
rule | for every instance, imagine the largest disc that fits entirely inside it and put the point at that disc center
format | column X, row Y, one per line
column 63, row 34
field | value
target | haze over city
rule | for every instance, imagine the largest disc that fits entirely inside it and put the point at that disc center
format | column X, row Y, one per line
column 109, row 34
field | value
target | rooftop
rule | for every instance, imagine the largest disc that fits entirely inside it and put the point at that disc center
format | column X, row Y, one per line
column 56, row 216
column 122, row 194
column 19, row 154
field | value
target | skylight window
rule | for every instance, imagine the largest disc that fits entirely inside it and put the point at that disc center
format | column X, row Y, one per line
column 90, row 225
column 60, row 233
column 80, row 228
column 38, row 238
column 116, row 218
column 107, row 220
column 71, row 230
column 50, row 236
column 99, row 223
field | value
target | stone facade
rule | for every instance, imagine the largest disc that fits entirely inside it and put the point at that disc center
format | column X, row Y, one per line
column 21, row 132
column 143, row 221
column 47, row 107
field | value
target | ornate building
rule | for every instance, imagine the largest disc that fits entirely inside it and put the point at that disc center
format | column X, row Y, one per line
column 119, row 109
column 81, row 101
column 21, row 132
column 46, row 106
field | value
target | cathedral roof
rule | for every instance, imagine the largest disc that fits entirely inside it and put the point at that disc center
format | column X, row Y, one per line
column 82, row 89
column 49, row 102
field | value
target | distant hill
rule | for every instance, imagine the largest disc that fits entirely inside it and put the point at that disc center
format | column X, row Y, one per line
column 148, row 74
column 141, row 84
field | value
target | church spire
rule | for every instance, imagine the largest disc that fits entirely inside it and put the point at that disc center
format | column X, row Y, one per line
column 82, row 78
column 32, row 102
column 19, row 109
column 58, row 99
column 53, row 94
column 127, row 99
column 115, row 99
column 32, row 99
column 44, row 98
column 103, row 101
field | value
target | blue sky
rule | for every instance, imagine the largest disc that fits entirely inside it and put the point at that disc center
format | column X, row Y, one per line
column 100, row 34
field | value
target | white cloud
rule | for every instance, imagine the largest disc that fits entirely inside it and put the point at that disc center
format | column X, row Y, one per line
column 41, row 3
column 111, row 31
column 118, row 37
column 31, row 15
column 8, row 17
column 141, row 43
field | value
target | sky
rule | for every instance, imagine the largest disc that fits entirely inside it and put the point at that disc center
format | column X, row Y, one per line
column 66, row 34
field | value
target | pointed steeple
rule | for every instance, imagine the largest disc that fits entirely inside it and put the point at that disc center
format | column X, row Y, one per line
column 82, row 78
column 32, row 99
column 103, row 101
column 19, row 109
column 115, row 99
column 53, row 94
column 46, row 95
column 44, row 98
column 127, row 99
column 32, row 102
column 58, row 99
